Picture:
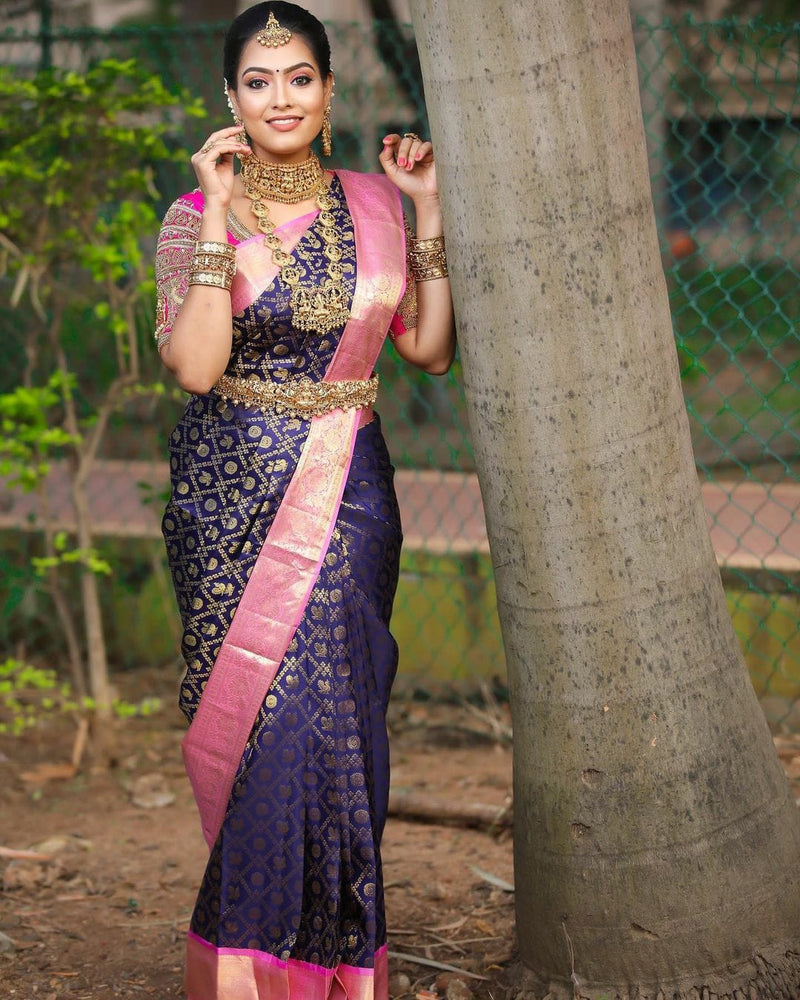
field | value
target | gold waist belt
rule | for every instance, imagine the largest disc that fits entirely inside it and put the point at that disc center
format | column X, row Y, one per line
column 300, row 397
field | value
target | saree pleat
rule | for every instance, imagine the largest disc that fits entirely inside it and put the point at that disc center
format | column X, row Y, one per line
column 291, row 903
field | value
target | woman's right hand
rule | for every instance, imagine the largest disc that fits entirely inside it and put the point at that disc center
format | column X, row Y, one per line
column 213, row 164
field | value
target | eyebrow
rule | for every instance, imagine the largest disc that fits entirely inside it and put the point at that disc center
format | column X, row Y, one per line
column 289, row 69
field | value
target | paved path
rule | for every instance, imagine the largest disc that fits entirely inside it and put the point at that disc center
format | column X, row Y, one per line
column 753, row 526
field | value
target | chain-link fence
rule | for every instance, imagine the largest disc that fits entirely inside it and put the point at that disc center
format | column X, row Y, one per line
column 723, row 119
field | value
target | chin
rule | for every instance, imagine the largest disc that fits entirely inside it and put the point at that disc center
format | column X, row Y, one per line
column 281, row 149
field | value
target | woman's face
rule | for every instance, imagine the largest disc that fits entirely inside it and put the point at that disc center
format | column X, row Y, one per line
column 281, row 97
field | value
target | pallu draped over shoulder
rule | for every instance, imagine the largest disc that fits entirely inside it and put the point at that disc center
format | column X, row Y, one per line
column 283, row 536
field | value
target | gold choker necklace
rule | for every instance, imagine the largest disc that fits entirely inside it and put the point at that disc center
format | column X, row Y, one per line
column 287, row 183
column 321, row 306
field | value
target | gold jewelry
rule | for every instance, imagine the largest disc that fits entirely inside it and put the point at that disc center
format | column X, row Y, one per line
column 208, row 145
column 272, row 34
column 299, row 397
column 326, row 132
column 215, row 279
column 211, row 263
column 286, row 183
column 217, row 247
column 318, row 308
column 411, row 135
column 427, row 259
column 214, row 263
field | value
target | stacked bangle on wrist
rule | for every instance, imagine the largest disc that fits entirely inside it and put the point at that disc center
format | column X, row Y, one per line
column 427, row 258
column 213, row 264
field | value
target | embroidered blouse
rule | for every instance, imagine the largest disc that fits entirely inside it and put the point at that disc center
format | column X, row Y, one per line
column 175, row 251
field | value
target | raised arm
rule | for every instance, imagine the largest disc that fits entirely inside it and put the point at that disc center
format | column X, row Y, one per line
column 197, row 346
column 431, row 343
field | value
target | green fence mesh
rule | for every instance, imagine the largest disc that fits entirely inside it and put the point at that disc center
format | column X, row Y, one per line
column 722, row 115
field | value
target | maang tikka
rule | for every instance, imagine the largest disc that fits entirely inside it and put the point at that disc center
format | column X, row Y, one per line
column 272, row 34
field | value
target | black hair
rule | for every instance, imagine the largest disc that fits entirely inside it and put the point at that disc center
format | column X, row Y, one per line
column 290, row 16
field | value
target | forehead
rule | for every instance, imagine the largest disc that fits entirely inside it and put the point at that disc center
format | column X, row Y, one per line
column 264, row 57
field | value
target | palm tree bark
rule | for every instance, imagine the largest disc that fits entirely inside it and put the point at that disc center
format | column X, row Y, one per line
column 657, row 848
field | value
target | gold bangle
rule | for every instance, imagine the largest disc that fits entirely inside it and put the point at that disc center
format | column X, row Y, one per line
column 214, row 262
column 215, row 246
column 215, row 279
column 422, row 246
column 427, row 258
column 428, row 273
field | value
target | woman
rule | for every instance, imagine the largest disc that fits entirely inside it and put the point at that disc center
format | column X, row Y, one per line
column 276, row 288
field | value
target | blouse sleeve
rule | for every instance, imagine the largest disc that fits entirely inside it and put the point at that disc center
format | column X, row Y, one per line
column 406, row 316
column 174, row 255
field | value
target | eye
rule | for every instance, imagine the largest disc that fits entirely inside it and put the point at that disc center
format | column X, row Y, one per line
column 303, row 80
column 256, row 83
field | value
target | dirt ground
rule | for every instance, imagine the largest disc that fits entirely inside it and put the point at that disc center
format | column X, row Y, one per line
column 106, row 915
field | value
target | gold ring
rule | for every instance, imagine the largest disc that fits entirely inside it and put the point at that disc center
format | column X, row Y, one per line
column 411, row 135
column 207, row 146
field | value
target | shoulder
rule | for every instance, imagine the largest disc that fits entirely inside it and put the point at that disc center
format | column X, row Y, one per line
column 186, row 211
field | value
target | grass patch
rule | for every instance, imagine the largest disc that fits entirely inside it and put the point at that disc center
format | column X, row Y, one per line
column 445, row 621
column 445, row 618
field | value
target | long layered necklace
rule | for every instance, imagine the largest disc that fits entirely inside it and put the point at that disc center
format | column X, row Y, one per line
column 316, row 307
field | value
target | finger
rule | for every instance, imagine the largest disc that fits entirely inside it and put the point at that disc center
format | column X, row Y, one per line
column 405, row 152
column 212, row 151
column 221, row 135
column 231, row 145
column 390, row 144
column 387, row 154
column 408, row 153
column 396, row 150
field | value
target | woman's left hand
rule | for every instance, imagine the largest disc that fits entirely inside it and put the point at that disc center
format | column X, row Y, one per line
column 408, row 162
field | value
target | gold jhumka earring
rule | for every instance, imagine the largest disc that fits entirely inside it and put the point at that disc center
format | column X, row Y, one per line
column 326, row 132
column 272, row 34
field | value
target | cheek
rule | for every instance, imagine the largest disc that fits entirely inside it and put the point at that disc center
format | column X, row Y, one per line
column 251, row 99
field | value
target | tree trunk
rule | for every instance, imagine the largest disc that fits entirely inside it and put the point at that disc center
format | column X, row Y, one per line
column 657, row 848
column 63, row 612
column 86, row 451
column 99, row 685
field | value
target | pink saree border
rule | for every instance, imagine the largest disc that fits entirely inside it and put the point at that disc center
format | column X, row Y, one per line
column 255, row 270
column 236, row 974
column 288, row 565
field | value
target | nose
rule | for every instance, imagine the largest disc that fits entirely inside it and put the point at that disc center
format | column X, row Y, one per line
column 280, row 92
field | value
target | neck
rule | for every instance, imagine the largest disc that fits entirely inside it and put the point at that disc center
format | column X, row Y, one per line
column 281, row 160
